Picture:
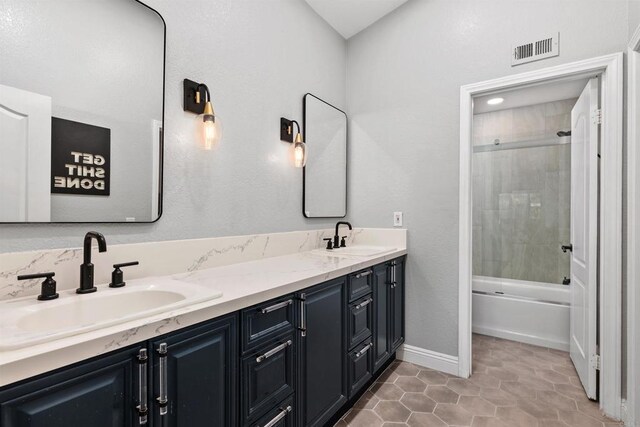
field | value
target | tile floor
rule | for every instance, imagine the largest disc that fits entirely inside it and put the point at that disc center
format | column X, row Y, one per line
column 513, row 385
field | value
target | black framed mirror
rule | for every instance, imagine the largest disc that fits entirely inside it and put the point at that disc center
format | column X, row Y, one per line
column 81, row 111
column 324, row 184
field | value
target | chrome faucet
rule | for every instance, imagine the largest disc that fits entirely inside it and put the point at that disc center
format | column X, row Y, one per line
column 336, row 238
column 86, row 269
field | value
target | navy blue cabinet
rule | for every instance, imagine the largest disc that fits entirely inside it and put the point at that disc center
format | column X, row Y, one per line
column 297, row 360
column 195, row 376
column 388, row 317
column 397, row 276
column 323, row 350
column 381, row 316
column 100, row 393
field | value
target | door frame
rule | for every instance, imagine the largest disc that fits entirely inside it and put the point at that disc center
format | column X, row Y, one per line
column 633, row 232
column 610, row 68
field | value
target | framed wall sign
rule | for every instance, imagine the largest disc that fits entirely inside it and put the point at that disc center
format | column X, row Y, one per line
column 80, row 158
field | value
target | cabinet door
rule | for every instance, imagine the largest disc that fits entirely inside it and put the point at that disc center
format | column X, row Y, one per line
column 100, row 393
column 195, row 372
column 397, row 303
column 381, row 316
column 267, row 378
column 323, row 358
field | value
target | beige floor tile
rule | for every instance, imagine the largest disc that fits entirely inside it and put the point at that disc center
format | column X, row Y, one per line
column 411, row 384
column 418, row 402
column 477, row 405
column 513, row 385
column 390, row 410
column 425, row 420
column 442, row 394
column 463, row 387
column 453, row 414
column 362, row 418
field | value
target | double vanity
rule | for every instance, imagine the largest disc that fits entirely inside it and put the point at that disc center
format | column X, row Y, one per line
column 268, row 330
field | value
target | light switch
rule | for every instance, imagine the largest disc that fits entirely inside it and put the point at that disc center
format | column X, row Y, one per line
column 397, row 219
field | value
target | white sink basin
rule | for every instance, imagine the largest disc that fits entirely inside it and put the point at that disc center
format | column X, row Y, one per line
column 28, row 321
column 356, row 251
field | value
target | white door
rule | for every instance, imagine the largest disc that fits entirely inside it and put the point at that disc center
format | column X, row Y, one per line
column 584, row 234
column 25, row 156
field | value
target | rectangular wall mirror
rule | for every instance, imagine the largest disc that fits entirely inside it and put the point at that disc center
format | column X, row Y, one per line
column 81, row 111
column 325, row 174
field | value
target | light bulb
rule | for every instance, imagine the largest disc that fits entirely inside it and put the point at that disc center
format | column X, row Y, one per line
column 211, row 127
column 299, row 152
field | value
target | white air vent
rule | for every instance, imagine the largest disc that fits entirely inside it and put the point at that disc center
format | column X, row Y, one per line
column 545, row 47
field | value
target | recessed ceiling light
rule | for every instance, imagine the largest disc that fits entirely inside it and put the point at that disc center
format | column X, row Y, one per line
column 495, row 101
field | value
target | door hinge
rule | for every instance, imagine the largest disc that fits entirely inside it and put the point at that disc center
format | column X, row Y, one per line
column 595, row 361
column 596, row 116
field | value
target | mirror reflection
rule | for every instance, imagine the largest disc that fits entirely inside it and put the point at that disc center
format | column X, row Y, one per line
column 325, row 174
column 81, row 111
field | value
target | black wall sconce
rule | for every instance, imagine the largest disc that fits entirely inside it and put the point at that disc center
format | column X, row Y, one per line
column 197, row 100
column 299, row 148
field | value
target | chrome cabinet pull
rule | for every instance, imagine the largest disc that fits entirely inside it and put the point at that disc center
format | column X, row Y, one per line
column 303, row 315
column 162, row 398
column 273, row 351
column 277, row 306
column 283, row 413
column 364, row 274
column 364, row 303
column 143, row 409
column 363, row 350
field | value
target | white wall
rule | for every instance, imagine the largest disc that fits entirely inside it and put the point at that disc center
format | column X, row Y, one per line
column 258, row 58
column 403, row 81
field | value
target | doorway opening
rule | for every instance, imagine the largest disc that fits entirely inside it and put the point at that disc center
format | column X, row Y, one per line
column 540, row 218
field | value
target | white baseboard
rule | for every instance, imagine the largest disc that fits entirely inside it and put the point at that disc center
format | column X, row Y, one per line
column 428, row 359
column 514, row 336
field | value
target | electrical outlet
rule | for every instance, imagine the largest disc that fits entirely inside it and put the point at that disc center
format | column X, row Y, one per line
column 397, row 219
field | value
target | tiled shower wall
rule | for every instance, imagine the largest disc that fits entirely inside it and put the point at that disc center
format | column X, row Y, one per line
column 521, row 197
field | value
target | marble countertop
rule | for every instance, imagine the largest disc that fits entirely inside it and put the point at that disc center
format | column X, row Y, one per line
column 243, row 284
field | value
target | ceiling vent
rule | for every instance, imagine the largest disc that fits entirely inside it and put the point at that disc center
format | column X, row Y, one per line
column 546, row 47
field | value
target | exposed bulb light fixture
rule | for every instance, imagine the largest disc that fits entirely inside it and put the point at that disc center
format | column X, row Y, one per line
column 197, row 99
column 495, row 101
column 299, row 148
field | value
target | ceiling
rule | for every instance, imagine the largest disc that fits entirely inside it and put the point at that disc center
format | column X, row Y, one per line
column 531, row 95
column 349, row 17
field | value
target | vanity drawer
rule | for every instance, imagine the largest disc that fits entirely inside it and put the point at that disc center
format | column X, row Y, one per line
column 263, row 322
column 283, row 415
column 360, row 367
column 360, row 284
column 267, row 378
column 360, row 320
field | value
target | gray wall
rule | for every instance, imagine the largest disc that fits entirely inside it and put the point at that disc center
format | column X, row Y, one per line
column 634, row 16
column 258, row 58
column 522, row 197
column 403, row 80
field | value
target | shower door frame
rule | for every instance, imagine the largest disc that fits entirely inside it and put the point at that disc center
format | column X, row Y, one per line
column 610, row 68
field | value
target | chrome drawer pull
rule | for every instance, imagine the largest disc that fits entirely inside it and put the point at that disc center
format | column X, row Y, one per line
column 273, row 351
column 283, row 413
column 364, row 274
column 143, row 409
column 303, row 315
column 162, row 398
column 277, row 306
column 364, row 350
column 364, row 303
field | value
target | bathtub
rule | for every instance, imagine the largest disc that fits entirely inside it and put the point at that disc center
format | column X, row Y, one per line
column 530, row 312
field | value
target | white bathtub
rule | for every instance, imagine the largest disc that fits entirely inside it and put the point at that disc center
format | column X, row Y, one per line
column 530, row 312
